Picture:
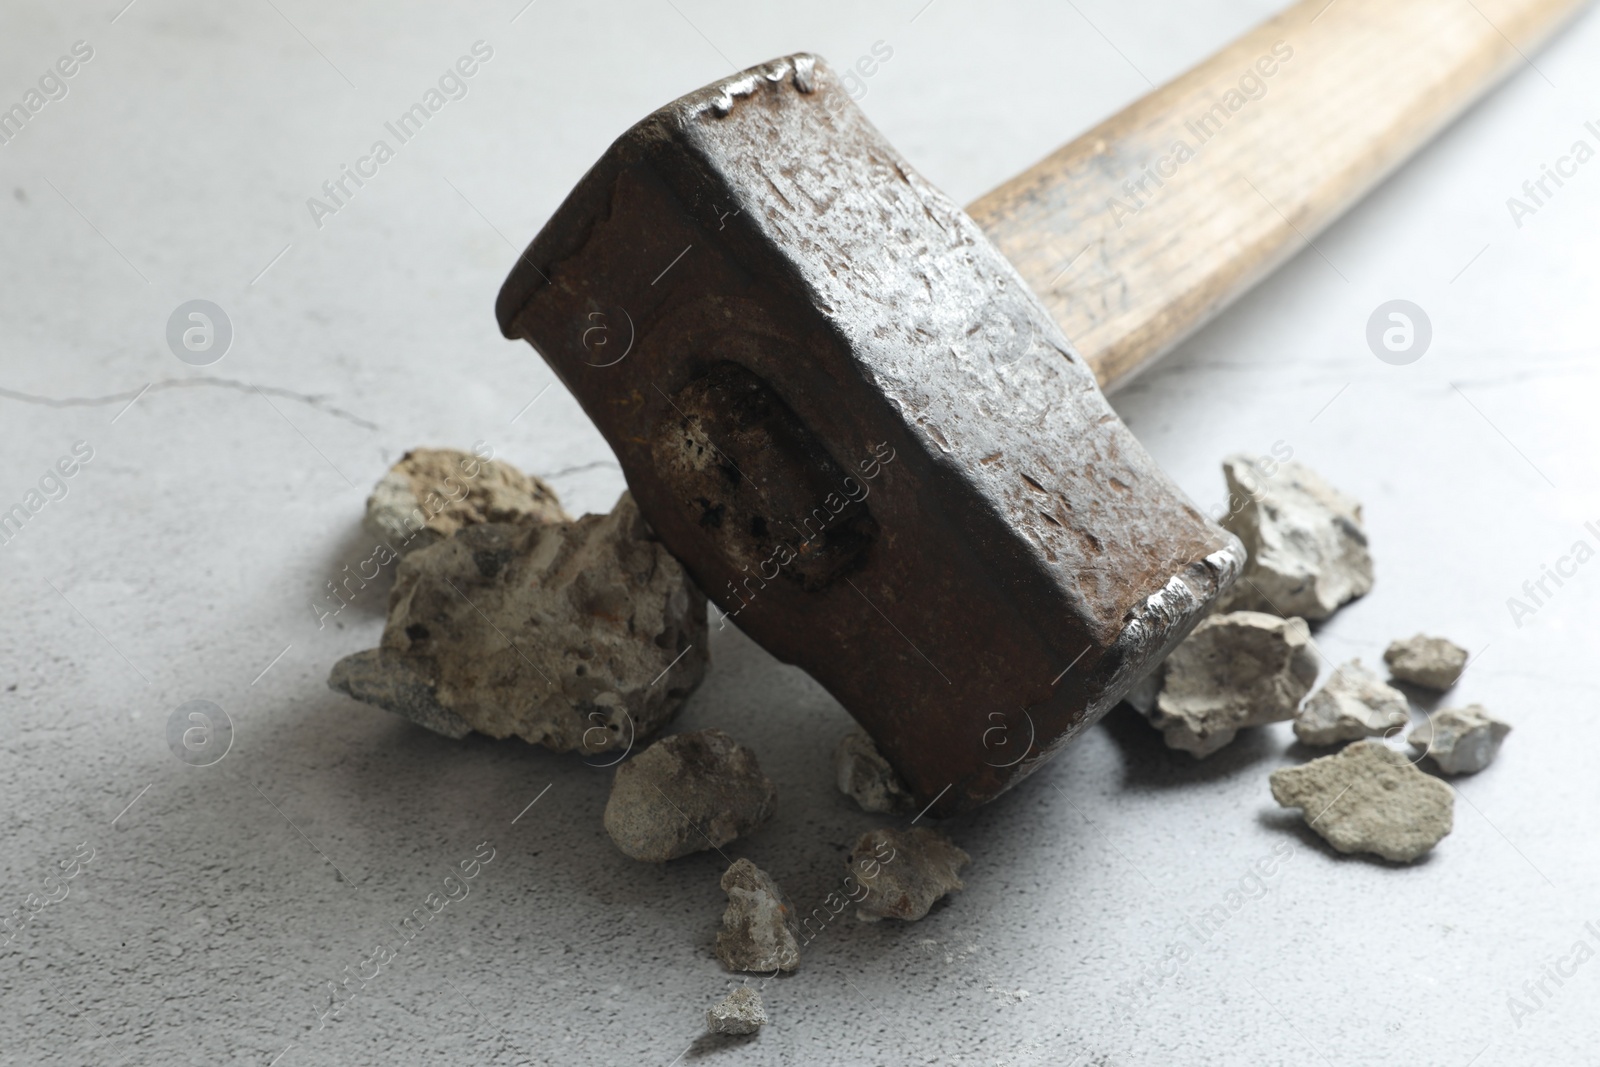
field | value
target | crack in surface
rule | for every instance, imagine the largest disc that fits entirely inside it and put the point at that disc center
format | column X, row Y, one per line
column 582, row 467
column 312, row 400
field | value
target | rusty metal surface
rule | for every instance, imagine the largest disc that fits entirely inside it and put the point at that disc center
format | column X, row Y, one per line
column 841, row 408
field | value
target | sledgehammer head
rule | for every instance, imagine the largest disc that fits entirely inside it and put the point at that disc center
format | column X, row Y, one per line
column 843, row 410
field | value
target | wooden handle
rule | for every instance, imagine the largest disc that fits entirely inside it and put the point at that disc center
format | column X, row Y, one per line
column 1138, row 232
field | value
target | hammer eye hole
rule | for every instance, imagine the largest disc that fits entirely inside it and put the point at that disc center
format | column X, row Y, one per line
column 759, row 483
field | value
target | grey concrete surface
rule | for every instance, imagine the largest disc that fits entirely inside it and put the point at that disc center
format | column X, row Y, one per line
column 212, row 905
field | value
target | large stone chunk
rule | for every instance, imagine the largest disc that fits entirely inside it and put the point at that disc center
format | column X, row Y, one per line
column 433, row 492
column 759, row 930
column 1242, row 669
column 740, row 1012
column 863, row 775
column 687, row 793
column 904, row 872
column 1308, row 550
column 1431, row 662
column 1461, row 740
column 1353, row 703
column 1369, row 798
column 580, row 636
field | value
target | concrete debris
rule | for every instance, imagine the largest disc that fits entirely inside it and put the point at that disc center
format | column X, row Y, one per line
column 1352, row 704
column 433, row 492
column 904, row 871
column 1461, row 740
column 1236, row 670
column 1431, row 662
column 864, row 776
column 580, row 636
column 759, row 929
column 740, row 1012
column 1369, row 798
column 392, row 681
column 1308, row 550
column 687, row 793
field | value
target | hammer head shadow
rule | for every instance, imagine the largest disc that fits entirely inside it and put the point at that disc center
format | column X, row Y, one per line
column 846, row 414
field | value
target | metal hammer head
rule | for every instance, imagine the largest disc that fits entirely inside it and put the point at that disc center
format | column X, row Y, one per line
column 846, row 414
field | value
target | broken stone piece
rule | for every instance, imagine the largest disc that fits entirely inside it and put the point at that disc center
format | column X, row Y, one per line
column 1352, row 704
column 904, row 871
column 1431, row 662
column 1242, row 669
column 740, row 1012
column 759, row 930
column 1461, row 740
column 1368, row 798
column 1308, row 550
column 864, row 776
column 389, row 680
column 687, row 793
column 580, row 636
column 433, row 492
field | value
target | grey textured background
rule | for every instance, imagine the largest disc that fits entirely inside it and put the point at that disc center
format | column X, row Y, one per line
column 185, row 555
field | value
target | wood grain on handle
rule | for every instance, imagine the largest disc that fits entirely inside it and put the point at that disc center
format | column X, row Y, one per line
column 1138, row 232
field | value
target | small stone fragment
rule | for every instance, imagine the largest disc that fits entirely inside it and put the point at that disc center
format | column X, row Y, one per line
column 687, row 793
column 759, row 930
column 580, row 636
column 1368, row 798
column 864, row 776
column 740, row 1012
column 1352, row 704
column 433, row 492
column 1431, row 662
column 904, row 871
column 1308, row 550
column 1461, row 740
column 1242, row 669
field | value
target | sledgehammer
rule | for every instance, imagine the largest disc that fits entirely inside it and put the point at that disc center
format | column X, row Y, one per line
column 854, row 412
